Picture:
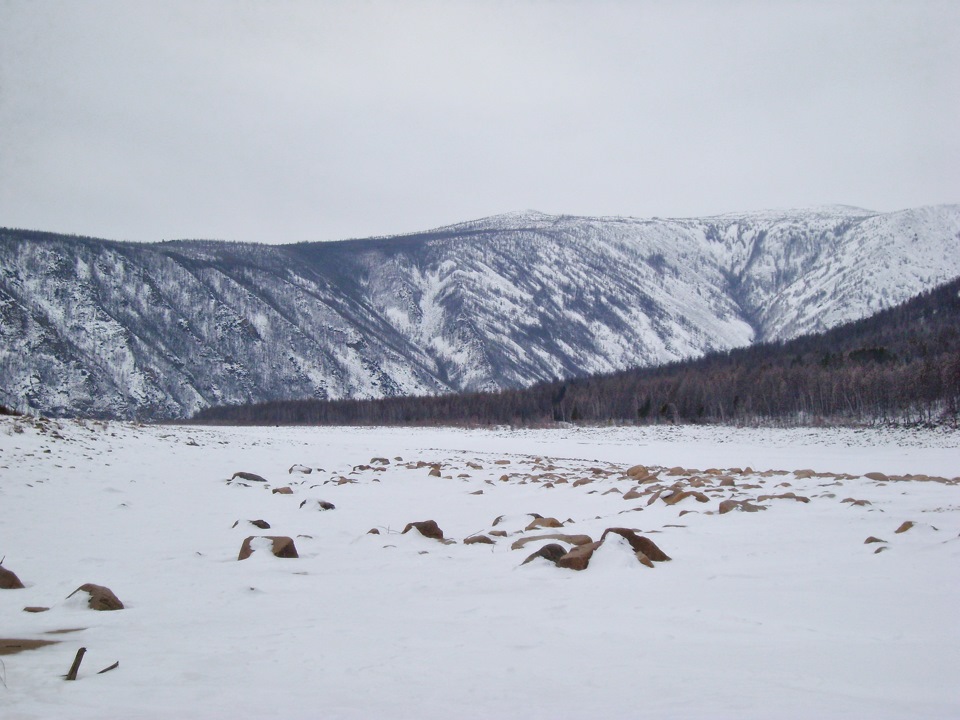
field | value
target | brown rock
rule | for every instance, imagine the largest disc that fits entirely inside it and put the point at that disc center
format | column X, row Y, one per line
column 632, row 494
column 101, row 598
column 873, row 539
column 373, row 531
column 282, row 491
column 582, row 481
column 12, row 646
column 579, row 557
column 427, row 528
column 35, row 609
column 544, row 523
column 904, row 527
column 551, row 552
column 262, row 524
column 318, row 505
column 498, row 533
column 741, row 505
column 878, row 476
column 478, row 539
column 252, row 477
column 727, row 481
column 639, row 543
column 638, row 471
column 477, row 492
column 572, row 539
column 9, row 580
column 379, row 461
column 784, row 496
column 501, row 462
column 283, row 546
column 434, row 472
column 672, row 498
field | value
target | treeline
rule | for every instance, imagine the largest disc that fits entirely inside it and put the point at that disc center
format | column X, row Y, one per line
column 901, row 365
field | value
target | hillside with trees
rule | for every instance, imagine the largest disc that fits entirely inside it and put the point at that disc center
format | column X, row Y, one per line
column 901, row 365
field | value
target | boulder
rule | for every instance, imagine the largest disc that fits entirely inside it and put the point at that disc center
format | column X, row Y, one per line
column 318, row 505
column 434, row 472
column 639, row 543
column 479, row 539
column 551, row 552
column 638, row 471
column 262, row 524
column 282, row 546
column 9, row 580
column 572, row 539
column 675, row 496
column 878, row 476
column 282, row 491
column 632, row 494
column 249, row 476
column 906, row 525
column 427, row 528
column 544, row 523
column 579, row 557
column 101, row 598
column 784, row 496
column 741, row 505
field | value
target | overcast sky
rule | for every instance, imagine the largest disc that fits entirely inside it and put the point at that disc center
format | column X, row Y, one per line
column 285, row 121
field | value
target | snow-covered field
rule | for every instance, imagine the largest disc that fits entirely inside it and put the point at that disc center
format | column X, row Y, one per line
column 784, row 612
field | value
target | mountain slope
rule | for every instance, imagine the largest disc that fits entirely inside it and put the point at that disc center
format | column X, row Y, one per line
column 161, row 330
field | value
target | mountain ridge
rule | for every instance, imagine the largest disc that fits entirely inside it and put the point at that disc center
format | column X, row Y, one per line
column 161, row 330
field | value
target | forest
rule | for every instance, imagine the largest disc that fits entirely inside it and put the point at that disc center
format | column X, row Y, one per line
column 900, row 366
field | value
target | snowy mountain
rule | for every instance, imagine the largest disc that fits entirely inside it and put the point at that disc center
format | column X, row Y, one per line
column 161, row 330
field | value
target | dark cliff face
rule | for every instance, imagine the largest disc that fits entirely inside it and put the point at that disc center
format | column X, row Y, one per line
column 101, row 328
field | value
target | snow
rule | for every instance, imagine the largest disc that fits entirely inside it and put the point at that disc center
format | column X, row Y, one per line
column 781, row 613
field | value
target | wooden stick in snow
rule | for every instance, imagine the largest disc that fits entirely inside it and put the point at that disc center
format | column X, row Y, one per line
column 72, row 675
